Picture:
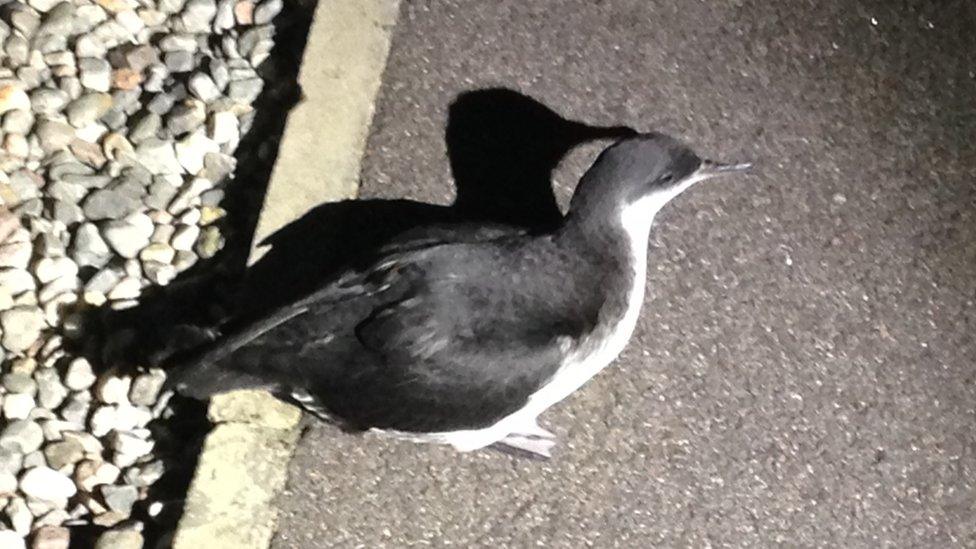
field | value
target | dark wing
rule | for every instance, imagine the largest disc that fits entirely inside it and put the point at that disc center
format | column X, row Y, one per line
column 433, row 337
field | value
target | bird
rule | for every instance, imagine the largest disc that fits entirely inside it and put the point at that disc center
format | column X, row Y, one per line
column 464, row 334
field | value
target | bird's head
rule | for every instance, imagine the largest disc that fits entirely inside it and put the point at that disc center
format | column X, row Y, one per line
column 639, row 175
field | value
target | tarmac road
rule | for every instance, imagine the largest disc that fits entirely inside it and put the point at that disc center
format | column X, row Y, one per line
column 804, row 372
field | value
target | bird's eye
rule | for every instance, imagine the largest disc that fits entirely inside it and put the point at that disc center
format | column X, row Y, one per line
column 666, row 178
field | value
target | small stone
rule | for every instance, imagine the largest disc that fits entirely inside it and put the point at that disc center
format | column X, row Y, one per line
column 154, row 77
column 51, row 537
column 186, row 117
column 8, row 485
column 127, row 288
column 48, row 100
column 17, row 406
column 120, row 498
column 21, row 327
column 158, row 156
column 46, row 484
column 120, row 539
column 185, row 260
column 197, row 15
column 131, row 21
column 64, row 453
column 157, row 252
column 88, row 108
column 126, row 79
column 19, row 121
column 178, row 42
column 79, row 375
column 244, row 12
column 161, row 103
column 218, row 166
column 245, row 91
column 135, row 57
column 113, row 202
column 129, row 445
column 185, row 237
column 114, row 390
column 210, row 242
column 129, row 235
column 16, row 254
column 13, row 97
column 19, row 382
column 223, row 127
column 53, row 135
column 224, row 19
column 88, row 152
column 50, row 392
column 95, row 74
column 47, row 269
column 108, row 519
column 59, row 21
column 22, row 436
column 104, row 280
column 90, row 46
column 89, row 248
column 191, row 150
column 179, row 61
column 18, row 50
column 16, row 281
column 146, row 126
column 11, row 461
column 203, row 87
column 114, row 6
column 10, row 539
column 75, row 411
column 267, row 10
column 19, row 516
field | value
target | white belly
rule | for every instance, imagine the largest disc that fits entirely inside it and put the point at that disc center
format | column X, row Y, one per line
column 583, row 363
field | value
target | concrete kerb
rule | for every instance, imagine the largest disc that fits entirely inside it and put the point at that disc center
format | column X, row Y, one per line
column 243, row 465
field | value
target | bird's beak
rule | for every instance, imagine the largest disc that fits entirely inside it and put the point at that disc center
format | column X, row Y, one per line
column 709, row 169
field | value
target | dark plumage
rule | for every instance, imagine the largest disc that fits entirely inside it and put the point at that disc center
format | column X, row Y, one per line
column 456, row 328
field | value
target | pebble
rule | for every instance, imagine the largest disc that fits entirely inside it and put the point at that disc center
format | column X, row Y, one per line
column 63, row 453
column 114, row 390
column 53, row 135
column 158, row 156
column 88, row 108
column 209, row 243
column 17, row 406
column 13, row 97
column 47, row 269
column 19, row 515
column 95, row 74
column 245, row 91
column 197, row 15
column 113, row 202
column 120, row 539
column 186, row 117
column 9, row 539
column 129, row 235
column 89, row 249
column 203, row 87
column 192, row 149
column 79, row 375
column 22, row 436
column 179, row 61
column 21, row 327
column 46, row 484
column 50, row 392
column 185, row 237
column 11, row 460
column 120, row 498
column 51, row 537
column 223, row 127
column 267, row 10
column 19, row 382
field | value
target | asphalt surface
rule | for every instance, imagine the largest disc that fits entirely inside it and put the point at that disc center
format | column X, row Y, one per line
column 804, row 372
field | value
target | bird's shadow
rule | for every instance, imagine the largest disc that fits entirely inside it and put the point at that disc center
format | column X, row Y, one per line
column 502, row 147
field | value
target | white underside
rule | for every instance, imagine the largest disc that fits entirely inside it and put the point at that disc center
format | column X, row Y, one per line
column 589, row 358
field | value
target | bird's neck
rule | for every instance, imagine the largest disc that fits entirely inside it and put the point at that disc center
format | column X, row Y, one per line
column 621, row 232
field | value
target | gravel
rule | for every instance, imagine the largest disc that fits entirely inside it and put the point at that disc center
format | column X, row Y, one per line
column 118, row 125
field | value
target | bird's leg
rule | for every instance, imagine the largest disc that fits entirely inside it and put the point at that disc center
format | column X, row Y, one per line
column 520, row 445
column 528, row 440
